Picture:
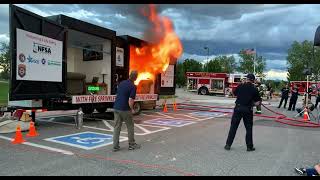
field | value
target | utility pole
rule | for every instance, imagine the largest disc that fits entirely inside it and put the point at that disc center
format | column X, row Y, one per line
column 207, row 48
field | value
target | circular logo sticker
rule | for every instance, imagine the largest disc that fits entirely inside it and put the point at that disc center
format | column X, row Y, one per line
column 22, row 69
column 43, row 61
column 22, row 57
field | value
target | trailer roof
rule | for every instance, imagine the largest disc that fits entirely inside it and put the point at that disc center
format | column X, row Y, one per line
column 82, row 26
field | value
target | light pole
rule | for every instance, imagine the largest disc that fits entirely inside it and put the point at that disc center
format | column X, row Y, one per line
column 207, row 58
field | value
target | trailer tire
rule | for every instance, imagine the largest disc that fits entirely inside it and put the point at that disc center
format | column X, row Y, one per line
column 137, row 108
column 87, row 109
column 203, row 91
column 102, row 108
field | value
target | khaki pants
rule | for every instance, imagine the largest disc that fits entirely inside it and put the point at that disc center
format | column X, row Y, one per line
column 119, row 118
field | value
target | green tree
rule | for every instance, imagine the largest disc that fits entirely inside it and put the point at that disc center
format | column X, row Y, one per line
column 191, row 65
column 188, row 65
column 228, row 64
column 214, row 65
column 4, row 60
column 181, row 77
column 221, row 64
column 300, row 56
column 246, row 63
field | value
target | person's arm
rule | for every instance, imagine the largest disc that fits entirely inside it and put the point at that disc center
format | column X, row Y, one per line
column 257, row 98
column 132, row 97
column 237, row 90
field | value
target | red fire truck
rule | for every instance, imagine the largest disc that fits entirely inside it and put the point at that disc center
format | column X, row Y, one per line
column 205, row 83
column 218, row 83
column 302, row 85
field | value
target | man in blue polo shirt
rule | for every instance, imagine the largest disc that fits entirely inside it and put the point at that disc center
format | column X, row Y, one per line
column 123, row 110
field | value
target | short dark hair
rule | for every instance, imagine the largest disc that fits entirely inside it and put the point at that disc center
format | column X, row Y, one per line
column 133, row 75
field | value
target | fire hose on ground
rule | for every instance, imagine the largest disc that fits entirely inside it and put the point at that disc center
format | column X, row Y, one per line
column 281, row 118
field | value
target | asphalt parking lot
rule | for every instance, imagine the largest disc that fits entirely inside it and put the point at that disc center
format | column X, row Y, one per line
column 186, row 142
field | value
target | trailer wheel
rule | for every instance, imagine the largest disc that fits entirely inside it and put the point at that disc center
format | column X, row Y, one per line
column 102, row 108
column 87, row 109
column 137, row 108
column 203, row 91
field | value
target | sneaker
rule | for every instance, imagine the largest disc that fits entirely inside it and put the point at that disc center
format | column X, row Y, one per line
column 251, row 149
column 301, row 171
column 134, row 146
column 227, row 147
column 115, row 149
column 258, row 112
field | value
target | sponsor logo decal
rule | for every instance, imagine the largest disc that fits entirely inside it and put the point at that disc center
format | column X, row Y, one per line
column 40, row 48
column 22, row 57
column 22, row 70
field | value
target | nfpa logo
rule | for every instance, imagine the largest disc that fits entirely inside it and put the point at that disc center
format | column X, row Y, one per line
column 40, row 48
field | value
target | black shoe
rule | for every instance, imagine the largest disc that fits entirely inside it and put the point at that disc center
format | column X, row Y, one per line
column 251, row 149
column 289, row 109
column 301, row 171
column 115, row 149
column 134, row 146
column 227, row 147
column 278, row 107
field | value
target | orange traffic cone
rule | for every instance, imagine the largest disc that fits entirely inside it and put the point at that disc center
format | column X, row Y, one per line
column 305, row 115
column 32, row 130
column 165, row 109
column 174, row 105
column 18, row 139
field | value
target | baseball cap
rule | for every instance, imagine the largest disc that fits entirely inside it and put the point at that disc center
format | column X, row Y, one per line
column 251, row 77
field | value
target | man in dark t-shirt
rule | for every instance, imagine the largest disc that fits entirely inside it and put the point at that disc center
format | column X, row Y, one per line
column 284, row 96
column 123, row 110
column 247, row 96
column 294, row 98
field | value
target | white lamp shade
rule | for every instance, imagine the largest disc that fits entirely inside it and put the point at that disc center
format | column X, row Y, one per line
column 104, row 71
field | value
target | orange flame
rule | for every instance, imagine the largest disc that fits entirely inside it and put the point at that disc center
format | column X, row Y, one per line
column 152, row 59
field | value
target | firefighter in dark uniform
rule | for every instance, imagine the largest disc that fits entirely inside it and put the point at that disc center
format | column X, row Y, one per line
column 247, row 96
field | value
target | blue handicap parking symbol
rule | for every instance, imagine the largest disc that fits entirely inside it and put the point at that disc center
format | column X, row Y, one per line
column 169, row 122
column 208, row 114
column 85, row 140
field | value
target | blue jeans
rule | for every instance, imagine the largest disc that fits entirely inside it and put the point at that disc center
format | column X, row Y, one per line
column 311, row 171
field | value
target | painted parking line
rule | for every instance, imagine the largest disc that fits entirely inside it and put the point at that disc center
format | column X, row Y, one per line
column 41, row 146
column 170, row 122
column 85, row 140
column 208, row 114
column 111, row 129
column 164, row 115
column 108, row 125
column 185, row 115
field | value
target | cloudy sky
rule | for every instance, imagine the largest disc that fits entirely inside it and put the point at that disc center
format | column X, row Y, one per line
column 225, row 29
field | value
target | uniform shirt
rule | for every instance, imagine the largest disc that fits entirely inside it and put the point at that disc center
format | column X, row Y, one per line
column 285, row 92
column 247, row 94
column 126, row 90
column 295, row 94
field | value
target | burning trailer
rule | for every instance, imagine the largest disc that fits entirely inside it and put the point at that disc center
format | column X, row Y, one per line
column 62, row 63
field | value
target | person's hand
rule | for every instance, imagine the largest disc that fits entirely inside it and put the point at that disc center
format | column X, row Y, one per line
column 133, row 111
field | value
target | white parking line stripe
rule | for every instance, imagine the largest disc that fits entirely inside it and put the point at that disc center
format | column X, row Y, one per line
column 108, row 125
column 142, row 128
column 164, row 115
column 41, row 146
column 150, row 115
column 183, row 115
